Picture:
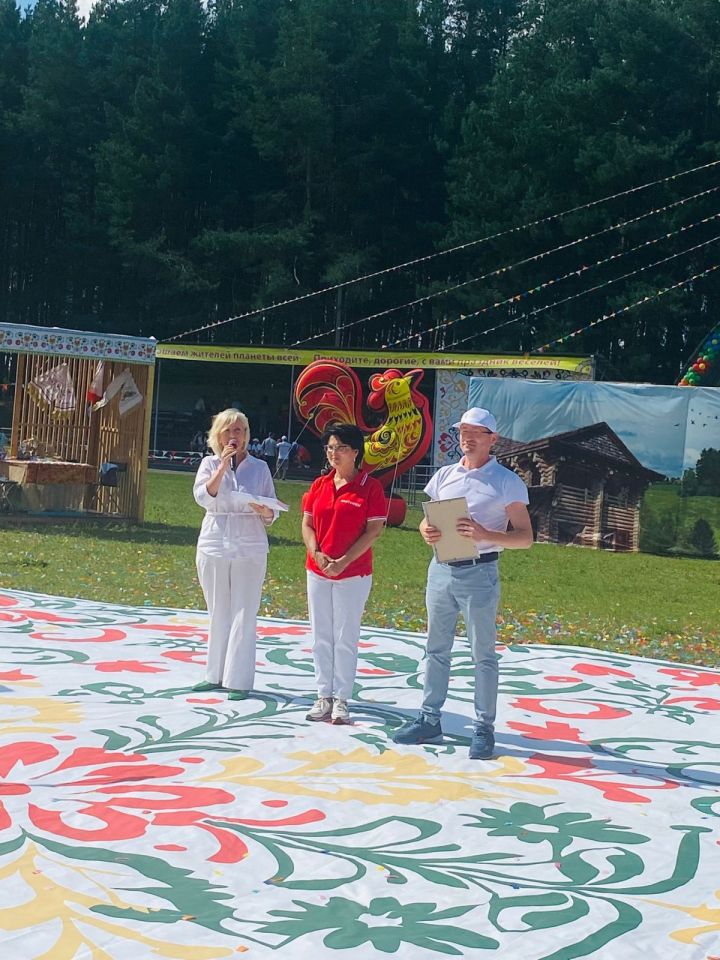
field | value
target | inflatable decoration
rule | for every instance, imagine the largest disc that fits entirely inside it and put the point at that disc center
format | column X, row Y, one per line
column 328, row 391
column 707, row 361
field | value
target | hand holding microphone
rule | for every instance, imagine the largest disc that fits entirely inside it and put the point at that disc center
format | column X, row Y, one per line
column 233, row 459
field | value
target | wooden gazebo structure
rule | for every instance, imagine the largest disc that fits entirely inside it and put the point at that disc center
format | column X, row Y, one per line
column 81, row 422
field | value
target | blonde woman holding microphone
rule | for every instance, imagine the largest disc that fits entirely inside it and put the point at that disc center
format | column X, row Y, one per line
column 232, row 551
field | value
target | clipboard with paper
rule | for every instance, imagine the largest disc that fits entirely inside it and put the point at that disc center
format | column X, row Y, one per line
column 444, row 514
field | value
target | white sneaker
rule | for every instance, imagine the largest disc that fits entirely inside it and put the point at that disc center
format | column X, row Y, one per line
column 340, row 713
column 321, row 709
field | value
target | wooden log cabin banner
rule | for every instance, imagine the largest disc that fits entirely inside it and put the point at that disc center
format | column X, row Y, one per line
column 614, row 466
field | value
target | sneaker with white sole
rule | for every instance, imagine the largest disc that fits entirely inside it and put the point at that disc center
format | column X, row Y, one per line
column 340, row 712
column 321, row 709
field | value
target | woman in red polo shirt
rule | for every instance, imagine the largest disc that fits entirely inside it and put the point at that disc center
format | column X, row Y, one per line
column 343, row 515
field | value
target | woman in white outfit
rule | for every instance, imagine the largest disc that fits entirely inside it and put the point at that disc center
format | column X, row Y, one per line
column 232, row 551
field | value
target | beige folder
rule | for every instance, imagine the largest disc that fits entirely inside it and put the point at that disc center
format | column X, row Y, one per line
column 444, row 514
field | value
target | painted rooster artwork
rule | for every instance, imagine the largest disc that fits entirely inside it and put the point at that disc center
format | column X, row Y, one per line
column 328, row 391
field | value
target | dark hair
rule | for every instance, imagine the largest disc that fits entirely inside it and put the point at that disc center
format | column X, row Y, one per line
column 346, row 433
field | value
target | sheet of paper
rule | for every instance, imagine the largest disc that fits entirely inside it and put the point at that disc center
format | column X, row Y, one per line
column 263, row 501
column 444, row 514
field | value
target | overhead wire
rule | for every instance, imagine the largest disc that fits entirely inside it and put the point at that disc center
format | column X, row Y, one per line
column 498, row 272
column 440, row 253
column 617, row 313
column 582, row 293
column 549, row 283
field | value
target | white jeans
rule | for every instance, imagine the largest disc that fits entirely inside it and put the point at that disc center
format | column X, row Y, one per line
column 232, row 588
column 336, row 608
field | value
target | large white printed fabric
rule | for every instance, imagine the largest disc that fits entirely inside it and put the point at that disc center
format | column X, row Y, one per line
column 124, row 384
column 141, row 818
column 54, row 389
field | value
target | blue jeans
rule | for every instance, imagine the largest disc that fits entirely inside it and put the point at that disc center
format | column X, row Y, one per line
column 473, row 592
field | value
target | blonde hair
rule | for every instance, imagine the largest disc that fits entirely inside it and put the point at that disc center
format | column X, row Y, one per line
column 222, row 420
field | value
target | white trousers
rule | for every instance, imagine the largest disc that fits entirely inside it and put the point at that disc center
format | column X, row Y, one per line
column 336, row 608
column 233, row 589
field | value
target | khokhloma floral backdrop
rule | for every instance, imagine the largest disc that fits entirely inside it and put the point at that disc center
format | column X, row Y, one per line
column 141, row 819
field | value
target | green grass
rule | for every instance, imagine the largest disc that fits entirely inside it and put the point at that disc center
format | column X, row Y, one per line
column 634, row 603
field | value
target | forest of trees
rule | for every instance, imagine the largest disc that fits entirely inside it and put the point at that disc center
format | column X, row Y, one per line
column 170, row 164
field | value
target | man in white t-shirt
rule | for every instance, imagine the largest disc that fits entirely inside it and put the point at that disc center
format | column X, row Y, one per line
column 283, row 457
column 497, row 499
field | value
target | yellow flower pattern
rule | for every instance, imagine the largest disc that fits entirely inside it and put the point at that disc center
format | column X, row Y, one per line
column 390, row 778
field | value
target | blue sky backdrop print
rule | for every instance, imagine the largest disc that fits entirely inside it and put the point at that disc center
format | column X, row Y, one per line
column 666, row 428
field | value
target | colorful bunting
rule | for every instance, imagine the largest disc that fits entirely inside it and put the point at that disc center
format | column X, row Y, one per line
column 440, row 253
column 617, row 313
column 599, row 286
column 539, row 256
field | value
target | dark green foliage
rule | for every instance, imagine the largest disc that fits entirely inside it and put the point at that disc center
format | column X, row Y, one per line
column 658, row 528
column 596, row 96
column 702, row 539
column 707, row 471
column 171, row 164
column 704, row 479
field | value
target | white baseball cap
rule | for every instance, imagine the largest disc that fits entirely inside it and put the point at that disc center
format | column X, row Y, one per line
column 477, row 417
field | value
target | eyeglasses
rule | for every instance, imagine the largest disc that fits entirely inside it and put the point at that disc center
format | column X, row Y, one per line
column 340, row 448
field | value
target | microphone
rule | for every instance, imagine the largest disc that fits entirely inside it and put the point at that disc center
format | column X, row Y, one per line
column 233, row 458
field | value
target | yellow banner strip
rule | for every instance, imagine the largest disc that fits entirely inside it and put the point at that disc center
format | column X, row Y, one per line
column 377, row 359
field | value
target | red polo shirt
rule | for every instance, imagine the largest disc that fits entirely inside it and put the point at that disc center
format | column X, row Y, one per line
column 339, row 518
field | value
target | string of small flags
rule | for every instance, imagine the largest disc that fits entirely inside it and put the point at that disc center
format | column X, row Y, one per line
column 621, row 224
column 517, row 297
column 441, row 253
column 617, row 313
column 599, row 286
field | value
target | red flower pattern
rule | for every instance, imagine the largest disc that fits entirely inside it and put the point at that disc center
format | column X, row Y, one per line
column 572, row 709
column 128, row 666
column 696, row 678
column 581, row 770
column 123, row 810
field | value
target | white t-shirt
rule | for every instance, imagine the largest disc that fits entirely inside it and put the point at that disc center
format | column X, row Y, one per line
column 231, row 528
column 269, row 447
column 487, row 489
column 283, row 449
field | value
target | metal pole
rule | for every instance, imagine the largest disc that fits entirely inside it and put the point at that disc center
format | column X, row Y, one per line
column 290, row 405
column 157, row 405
